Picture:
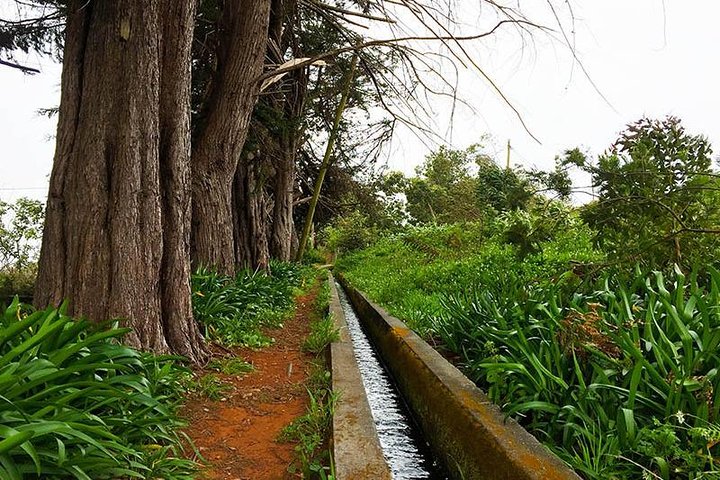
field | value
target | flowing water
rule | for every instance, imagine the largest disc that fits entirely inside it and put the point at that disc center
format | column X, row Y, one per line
column 407, row 453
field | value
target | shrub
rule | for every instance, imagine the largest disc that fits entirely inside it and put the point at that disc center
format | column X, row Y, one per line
column 349, row 233
column 18, row 281
column 77, row 404
column 233, row 310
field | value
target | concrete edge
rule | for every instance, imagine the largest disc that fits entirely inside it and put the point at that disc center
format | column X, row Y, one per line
column 466, row 431
column 355, row 446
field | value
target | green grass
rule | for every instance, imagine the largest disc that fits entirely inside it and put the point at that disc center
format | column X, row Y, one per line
column 75, row 403
column 310, row 431
column 410, row 273
column 208, row 385
column 322, row 333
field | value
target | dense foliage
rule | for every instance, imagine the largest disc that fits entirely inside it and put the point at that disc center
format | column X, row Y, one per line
column 76, row 403
column 20, row 233
column 233, row 310
column 657, row 195
column 411, row 272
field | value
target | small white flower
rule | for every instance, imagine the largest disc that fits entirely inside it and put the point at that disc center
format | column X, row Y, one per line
column 680, row 416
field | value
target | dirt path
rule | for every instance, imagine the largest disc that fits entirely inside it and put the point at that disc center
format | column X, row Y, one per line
column 237, row 435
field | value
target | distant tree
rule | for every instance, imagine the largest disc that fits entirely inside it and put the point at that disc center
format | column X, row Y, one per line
column 20, row 232
column 444, row 190
column 658, row 197
column 501, row 189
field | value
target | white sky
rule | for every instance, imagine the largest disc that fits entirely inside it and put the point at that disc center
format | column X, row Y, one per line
column 643, row 61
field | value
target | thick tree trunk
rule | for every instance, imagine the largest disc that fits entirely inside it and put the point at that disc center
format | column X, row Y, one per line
column 250, row 214
column 116, row 237
column 282, row 224
column 221, row 136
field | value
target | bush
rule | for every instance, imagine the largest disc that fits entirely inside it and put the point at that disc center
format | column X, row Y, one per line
column 233, row 310
column 18, row 281
column 77, row 404
column 633, row 361
column 349, row 233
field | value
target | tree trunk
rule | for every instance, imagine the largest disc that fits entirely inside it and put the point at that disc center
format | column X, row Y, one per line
column 282, row 224
column 250, row 213
column 222, row 134
column 116, row 234
column 291, row 103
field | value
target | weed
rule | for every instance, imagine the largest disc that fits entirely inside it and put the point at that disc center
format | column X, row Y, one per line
column 208, row 385
column 310, row 432
column 322, row 333
column 231, row 366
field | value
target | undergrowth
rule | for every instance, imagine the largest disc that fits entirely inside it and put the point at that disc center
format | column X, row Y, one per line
column 233, row 310
column 311, row 431
column 75, row 403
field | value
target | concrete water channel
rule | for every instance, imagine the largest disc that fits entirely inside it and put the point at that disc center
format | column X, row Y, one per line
column 407, row 453
column 404, row 412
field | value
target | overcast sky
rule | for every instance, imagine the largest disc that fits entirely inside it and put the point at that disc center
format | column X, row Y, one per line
column 646, row 58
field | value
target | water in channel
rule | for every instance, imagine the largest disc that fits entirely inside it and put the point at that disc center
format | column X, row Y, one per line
column 402, row 444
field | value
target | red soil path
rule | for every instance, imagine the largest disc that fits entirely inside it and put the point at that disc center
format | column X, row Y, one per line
column 237, row 435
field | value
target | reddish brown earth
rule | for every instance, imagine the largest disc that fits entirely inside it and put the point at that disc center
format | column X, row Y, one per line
column 237, row 435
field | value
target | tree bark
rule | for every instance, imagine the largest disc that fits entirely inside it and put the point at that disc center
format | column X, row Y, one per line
column 250, row 214
column 282, row 145
column 221, row 136
column 116, row 235
column 283, row 196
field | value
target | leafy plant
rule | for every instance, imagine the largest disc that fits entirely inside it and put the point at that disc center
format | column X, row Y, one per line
column 310, row 432
column 322, row 333
column 208, row 385
column 233, row 310
column 657, row 195
column 231, row 366
column 582, row 370
column 77, row 404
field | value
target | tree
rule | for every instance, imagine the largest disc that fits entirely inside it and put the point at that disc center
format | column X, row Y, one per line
column 220, row 132
column 117, row 215
column 444, row 190
column 116, row 237
column 657, row 195
column 20, row 231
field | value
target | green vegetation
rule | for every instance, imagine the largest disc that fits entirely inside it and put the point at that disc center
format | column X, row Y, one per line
column 411, row 273
column 233, row 310
column 322, row 328
column 658, row 196
column 20, row 233
column 322, row 334
column 596, row 327
column 208, row 385
column 77, row 404
column 231, row 366
column 311, row 431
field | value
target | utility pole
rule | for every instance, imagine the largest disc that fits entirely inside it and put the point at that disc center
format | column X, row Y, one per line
column 507, row 163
